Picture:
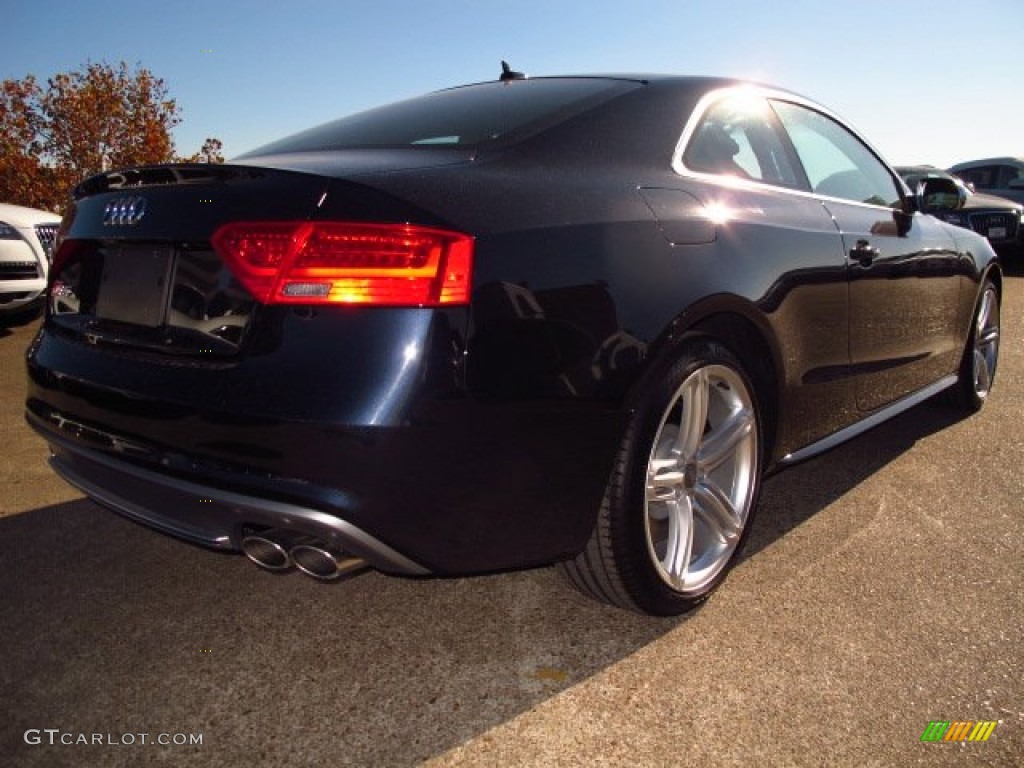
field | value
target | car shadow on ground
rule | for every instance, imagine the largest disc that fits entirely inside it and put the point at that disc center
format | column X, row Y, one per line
column 11, row 323
column 110, row 628
column 1014, row 265
column 793, row 496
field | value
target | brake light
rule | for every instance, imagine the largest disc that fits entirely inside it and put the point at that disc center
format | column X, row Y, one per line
column 347, row 263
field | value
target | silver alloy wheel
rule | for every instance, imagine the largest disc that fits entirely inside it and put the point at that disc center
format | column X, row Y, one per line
column 701, row 478
column 986, row 342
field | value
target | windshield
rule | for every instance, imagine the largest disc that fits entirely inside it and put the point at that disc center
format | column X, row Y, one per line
column 458, row 118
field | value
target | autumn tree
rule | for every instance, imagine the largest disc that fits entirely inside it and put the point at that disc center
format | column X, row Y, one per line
column 98, row 117
column 21, row 126
column 102, row 117
column 211, row 152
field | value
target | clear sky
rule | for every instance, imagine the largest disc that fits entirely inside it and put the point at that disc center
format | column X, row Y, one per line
column 932, row 82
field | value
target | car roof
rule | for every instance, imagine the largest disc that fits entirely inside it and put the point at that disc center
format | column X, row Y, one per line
column 1018, row 161
column 662, row 102
column 635, row 77
column 920, row 170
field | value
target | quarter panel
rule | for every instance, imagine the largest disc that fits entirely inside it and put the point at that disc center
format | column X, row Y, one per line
column 580, row 308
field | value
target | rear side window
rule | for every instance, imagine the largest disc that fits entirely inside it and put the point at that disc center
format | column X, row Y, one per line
column 836, row 162
column 739, row 137
column 460, row 117
column 982, row 177
column 1008, row 173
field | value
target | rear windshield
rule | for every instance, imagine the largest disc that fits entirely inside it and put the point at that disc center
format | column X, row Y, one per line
column 461, row 117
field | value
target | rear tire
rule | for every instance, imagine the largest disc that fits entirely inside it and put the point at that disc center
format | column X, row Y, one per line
column 682, row 493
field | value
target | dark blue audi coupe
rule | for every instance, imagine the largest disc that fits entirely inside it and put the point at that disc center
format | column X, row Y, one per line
column 568, row 320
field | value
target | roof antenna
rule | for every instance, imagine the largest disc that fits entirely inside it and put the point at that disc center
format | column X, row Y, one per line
column 507, row 73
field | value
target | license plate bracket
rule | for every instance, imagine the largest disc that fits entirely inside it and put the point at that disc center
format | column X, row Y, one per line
column 135, row 284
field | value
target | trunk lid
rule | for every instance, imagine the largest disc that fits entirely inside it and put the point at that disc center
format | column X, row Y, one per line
column 135, row 267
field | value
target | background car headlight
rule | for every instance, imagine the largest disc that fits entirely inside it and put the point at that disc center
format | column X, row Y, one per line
column 7, row 232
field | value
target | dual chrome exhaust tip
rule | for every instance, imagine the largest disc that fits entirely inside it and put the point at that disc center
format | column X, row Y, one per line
column 277, row 549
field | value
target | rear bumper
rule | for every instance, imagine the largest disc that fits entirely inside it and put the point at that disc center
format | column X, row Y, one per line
column 416, row 477
column 204, row 514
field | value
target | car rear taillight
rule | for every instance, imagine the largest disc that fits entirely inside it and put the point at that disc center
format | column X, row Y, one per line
column 64, row 252
column 347, row 263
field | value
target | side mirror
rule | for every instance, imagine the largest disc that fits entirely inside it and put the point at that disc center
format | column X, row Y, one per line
column 1016, row 184
column 939, row 194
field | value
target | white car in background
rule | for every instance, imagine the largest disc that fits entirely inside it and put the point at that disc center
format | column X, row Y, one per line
column 26, row 242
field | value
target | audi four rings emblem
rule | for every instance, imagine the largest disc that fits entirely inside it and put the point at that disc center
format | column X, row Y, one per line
column 124, row 211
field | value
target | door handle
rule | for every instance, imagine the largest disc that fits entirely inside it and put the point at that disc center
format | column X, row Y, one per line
column 864, row 253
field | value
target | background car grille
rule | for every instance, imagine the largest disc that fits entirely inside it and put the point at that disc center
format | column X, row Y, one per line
column 19, row 270
column 47, row 234
column 982, row 222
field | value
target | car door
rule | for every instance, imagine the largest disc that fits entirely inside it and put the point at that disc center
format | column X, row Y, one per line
column 773, row 244
column 901, row 266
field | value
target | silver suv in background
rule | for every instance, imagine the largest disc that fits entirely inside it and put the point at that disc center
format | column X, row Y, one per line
column 26, row 241
column 1003, row 176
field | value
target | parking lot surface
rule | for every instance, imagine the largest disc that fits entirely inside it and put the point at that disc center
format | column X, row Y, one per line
column 882, row 589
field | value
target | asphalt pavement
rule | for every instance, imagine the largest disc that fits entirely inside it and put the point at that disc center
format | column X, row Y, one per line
column 882, row 590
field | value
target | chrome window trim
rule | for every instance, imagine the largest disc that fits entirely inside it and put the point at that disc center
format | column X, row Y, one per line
column 733, row 182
